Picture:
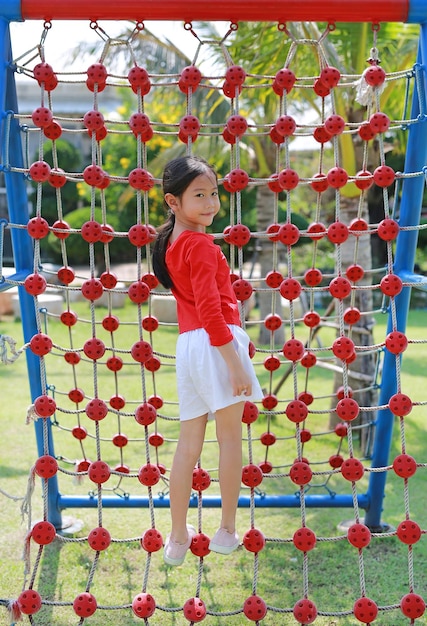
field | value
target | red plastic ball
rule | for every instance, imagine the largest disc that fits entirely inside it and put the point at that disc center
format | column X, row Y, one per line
column 97, row 72
column 293, row 349
column 37, row 227
column 189, row 126
column 347, row 409
column 76, row 395
column 114, row 363
column 29, row 602
column 316, row 230
column 309, row 359
column 388, row 229
column 379, row 122
column 334, row 124
column 391, row 285
column 343, row 347
column 305, row 611
column 341, row 430
column 138, row 292
column 251, row 475
column 42, row 117
column 268, row 439
column 290, row 289
column 141, row 351
column 99, row 538
column 351, row 315
column 296, row 411
column 365, row 610
column 321, row 135
column 93, row 120
column 366, row 132
column 41, row 344
column 99, row 472
column 149, row 475
column 194, row 610
column 141, row 179
column 145, row 414
column 139, row 79
column 396, row 342
column 46, row 466
column 40, row 171
column 117, row 402
column 311, row 319
column 337, row 177
column 190, row 77
column 243, row 289
column 274, row 279
column 305, row 435
column 201, row 479
column 200, row 545
column 320, row 89
column 93, row 175
column 288, row 179
column 96, row 409
column 408, row 532
column 404, row 465
column 288, row 234
column 384, row 176
column 374, row 75
column 412, row 605
column 94, row 348
column 53, row 131
column 266, row 467
column 337, row 232
column 352, row 469
column 238, row 235
column 250, row 413
column 91, row 231
column 153, row 364
column 238, row 179
column 43, row 72
column 152, row 540
column 141, row 234
column 143, row 605
column 108, row 280
column 340, row 287
column 313, row 277
column 237, row 125
column 119, row 440
column 230, row 91
column 330, row 76
column 72, row 358
column 35, row 284
column 235, row 75
column 355, row 272
column 336, row 460
column 273, row 322
column 271, row 363
column 254, row 540
column 254, row 608
column 285, row 126
column 304, row 539
column 400, row 404
column 300, row 473
column 44, row 406
column 284, row 81
column 85, row 604
column 359, row 535
column 364, row 180
column 66, row 275
column 319, row 183
column 43, row 533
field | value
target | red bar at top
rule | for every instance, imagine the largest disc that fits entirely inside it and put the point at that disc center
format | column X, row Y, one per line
column 219, row 10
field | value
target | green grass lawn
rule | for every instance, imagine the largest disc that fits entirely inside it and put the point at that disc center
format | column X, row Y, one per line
column 334, row 569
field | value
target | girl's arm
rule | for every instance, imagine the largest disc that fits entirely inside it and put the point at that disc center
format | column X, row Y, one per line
column 240, row 380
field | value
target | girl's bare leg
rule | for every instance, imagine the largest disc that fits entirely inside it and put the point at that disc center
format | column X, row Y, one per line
column 189, row 448
column 229, row 436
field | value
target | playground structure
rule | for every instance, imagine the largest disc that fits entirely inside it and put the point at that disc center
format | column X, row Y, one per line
column 86, row 404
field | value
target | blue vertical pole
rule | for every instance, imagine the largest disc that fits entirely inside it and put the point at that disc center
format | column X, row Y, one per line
column 410, row 214
column 23, row 248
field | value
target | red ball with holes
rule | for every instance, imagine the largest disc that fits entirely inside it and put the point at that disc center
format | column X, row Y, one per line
column 251, row 475
column 337, row 177
column 96, row 409
column 321, row 135
column 379, row 122
column 45, row 406
column 296, row 411
column 355, row 272
column 352, row 469
column 293, row 349
column 194, row 610
column 347, row 409
column 253, row 540
column 271, row 363
column 149, row 475
column 138, row 292
column 35, row 284
column 235, row 75
column 391, row 285
column 337, row 232
column 29, row 602
column 288, row 179
column 311, row 319
column 409, row 532
column 85, row 604
column 274, row 279
column 237, row 235
column 320, row 89
column 283, row 81
column 99, row 472
column 53, row 131
column 374, row 75
column 396, row 342
column 405, row 465
column 313, row 277
column 290, row 289
column 201, row 479
column 273, row 322
column 336, row 460
column 304, row 539
column 145, row 414
column 285, row 126
column 237, row 125
column 359, row 535
column 365, row 610
column 43, row 533
column 243, row 289
column 94, row 348
column 99, row 539
column 412, row 605
column 140, row 179
column 143, row 605
column 141, row 234
column 254, row 608
column 305, row 611
column 250, row 413
column 141, row 351
column 319, row 183
column 300, row 473
column 384, row 176
column 400, row 404
column 330, row 76
column 151, row 540
column 334, row 125
column 388, row 229
column 37, row 227
column 40, row 171
column 288, row 234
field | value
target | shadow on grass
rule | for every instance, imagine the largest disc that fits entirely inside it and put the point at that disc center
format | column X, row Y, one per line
column 48, row 580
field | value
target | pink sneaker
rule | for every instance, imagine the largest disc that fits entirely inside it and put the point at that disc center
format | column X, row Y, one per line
column 174, row 553
column 224, row 542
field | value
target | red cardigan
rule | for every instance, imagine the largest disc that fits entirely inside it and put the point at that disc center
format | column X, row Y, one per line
column 202, row 286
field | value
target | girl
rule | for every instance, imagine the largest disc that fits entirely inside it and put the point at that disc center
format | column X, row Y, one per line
column 213, row 366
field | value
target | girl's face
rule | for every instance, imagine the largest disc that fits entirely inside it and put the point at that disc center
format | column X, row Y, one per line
column 198, row 205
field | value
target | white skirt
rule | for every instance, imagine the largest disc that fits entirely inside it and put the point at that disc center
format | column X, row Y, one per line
column 202, row 375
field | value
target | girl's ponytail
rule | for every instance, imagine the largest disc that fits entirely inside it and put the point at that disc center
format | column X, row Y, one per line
column 159, row 252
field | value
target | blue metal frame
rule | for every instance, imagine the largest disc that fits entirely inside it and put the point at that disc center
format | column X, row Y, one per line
column 410, row 213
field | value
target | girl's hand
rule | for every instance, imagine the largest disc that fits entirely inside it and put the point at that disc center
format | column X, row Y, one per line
column 240, row 380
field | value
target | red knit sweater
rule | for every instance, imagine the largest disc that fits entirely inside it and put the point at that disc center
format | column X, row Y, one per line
column 202, row 286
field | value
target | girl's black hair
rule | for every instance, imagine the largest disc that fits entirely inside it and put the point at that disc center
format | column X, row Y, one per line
column 178, row 175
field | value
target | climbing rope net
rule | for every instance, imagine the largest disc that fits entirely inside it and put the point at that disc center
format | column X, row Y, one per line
column 106, row 359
